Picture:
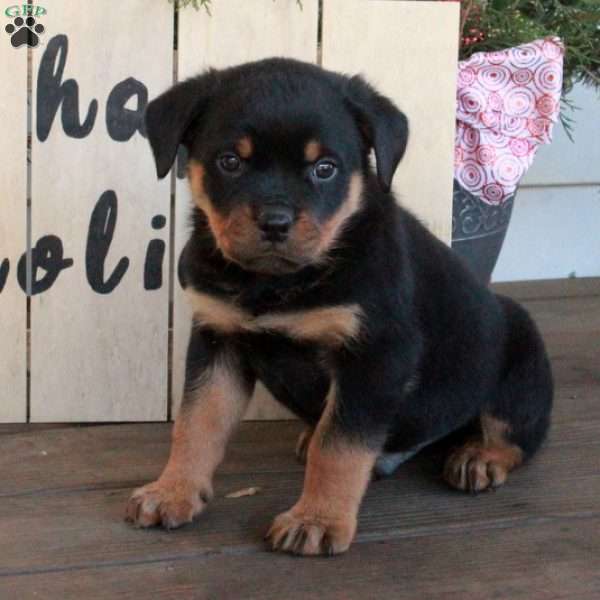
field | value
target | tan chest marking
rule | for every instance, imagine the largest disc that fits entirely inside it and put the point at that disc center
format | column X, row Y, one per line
column 332, row 325
column 215, row 313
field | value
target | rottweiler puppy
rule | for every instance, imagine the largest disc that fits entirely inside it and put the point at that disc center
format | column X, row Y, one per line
column 304, row 273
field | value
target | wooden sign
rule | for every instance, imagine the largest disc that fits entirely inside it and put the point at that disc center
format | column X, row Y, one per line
column 98, row 246
column 408, row 51
column 13, row 234
column 99, row 306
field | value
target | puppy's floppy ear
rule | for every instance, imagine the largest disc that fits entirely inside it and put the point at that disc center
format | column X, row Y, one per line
column 384, row 126
column 169, row 117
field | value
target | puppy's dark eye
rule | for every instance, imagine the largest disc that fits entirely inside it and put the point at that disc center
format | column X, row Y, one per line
column 229, row 162
column 325, row 169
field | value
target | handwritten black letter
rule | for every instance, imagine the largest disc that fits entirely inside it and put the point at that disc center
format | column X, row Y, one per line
column 123, row 122
column 4, row 268
column 51, row 92
column 47, row 254
column 100, row 234
column 154, row 257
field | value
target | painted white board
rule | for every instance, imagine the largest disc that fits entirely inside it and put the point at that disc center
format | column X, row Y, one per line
column 99, row 337
column 408, row 51
column 13, row 231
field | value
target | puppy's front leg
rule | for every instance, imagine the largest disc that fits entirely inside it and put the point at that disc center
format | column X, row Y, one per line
column 338, row 470
column 217, row 391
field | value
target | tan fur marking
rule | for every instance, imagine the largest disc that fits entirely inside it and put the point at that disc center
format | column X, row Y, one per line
column 312, row 151
column 332, row 325
column 207, row 418
column 200, row 433
column 332, row 229
column 238, row 237
column 222, row 227
column 196, row 177
column 495, row 441
column 245, row 147
column 485, row 460
column 337, row 474
column 494, row 431
column 218, row 314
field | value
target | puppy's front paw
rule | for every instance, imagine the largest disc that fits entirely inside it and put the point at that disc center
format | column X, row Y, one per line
column 300, row 533
column 167, row 503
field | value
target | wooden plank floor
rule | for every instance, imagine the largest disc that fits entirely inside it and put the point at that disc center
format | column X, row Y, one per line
column 63, row 490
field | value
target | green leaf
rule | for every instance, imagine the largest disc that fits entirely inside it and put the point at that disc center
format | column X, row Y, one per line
column 501, row 4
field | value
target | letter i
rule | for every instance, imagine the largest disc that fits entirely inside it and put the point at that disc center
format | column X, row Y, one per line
column 155, row 254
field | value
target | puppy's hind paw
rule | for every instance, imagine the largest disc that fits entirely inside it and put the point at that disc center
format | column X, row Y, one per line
column 473, row 468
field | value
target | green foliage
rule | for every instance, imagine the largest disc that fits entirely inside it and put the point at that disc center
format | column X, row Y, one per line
column 505, row 23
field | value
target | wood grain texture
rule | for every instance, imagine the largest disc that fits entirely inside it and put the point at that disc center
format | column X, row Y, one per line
column 71, row 528
column 237, row 31
column 13, row 232
column 543, row 561
column 408, row 51
column 546, row 289
column 101, row 356
column 554, row 318
column 87, row 519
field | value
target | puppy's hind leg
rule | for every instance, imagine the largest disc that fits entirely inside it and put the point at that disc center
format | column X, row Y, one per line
column 515, row 422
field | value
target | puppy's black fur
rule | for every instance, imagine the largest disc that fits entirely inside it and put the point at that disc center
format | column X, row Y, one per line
column 435, row 351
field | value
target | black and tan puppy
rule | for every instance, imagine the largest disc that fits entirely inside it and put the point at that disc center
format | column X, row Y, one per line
column 305, row 274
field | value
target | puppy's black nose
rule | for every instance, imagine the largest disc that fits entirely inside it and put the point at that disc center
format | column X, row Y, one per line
column 275, row 222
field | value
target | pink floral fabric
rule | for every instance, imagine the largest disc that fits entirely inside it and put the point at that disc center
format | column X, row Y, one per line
column 507, row 105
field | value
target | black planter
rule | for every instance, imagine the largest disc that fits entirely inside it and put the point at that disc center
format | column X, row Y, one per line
column 478, row 231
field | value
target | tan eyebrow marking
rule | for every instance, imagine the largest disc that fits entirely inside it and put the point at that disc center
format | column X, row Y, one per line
column 312, row 150
column 244, row 147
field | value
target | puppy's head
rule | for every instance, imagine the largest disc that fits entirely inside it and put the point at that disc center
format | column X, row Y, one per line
column 277, row 154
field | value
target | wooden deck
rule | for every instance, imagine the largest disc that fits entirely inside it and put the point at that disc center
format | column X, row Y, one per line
column 63, row 491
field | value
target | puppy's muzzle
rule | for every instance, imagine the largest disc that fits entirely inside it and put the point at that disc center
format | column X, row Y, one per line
column 275, row 222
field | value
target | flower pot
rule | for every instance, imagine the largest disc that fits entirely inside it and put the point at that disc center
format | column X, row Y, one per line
column 478, row 230
column 507, row 104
